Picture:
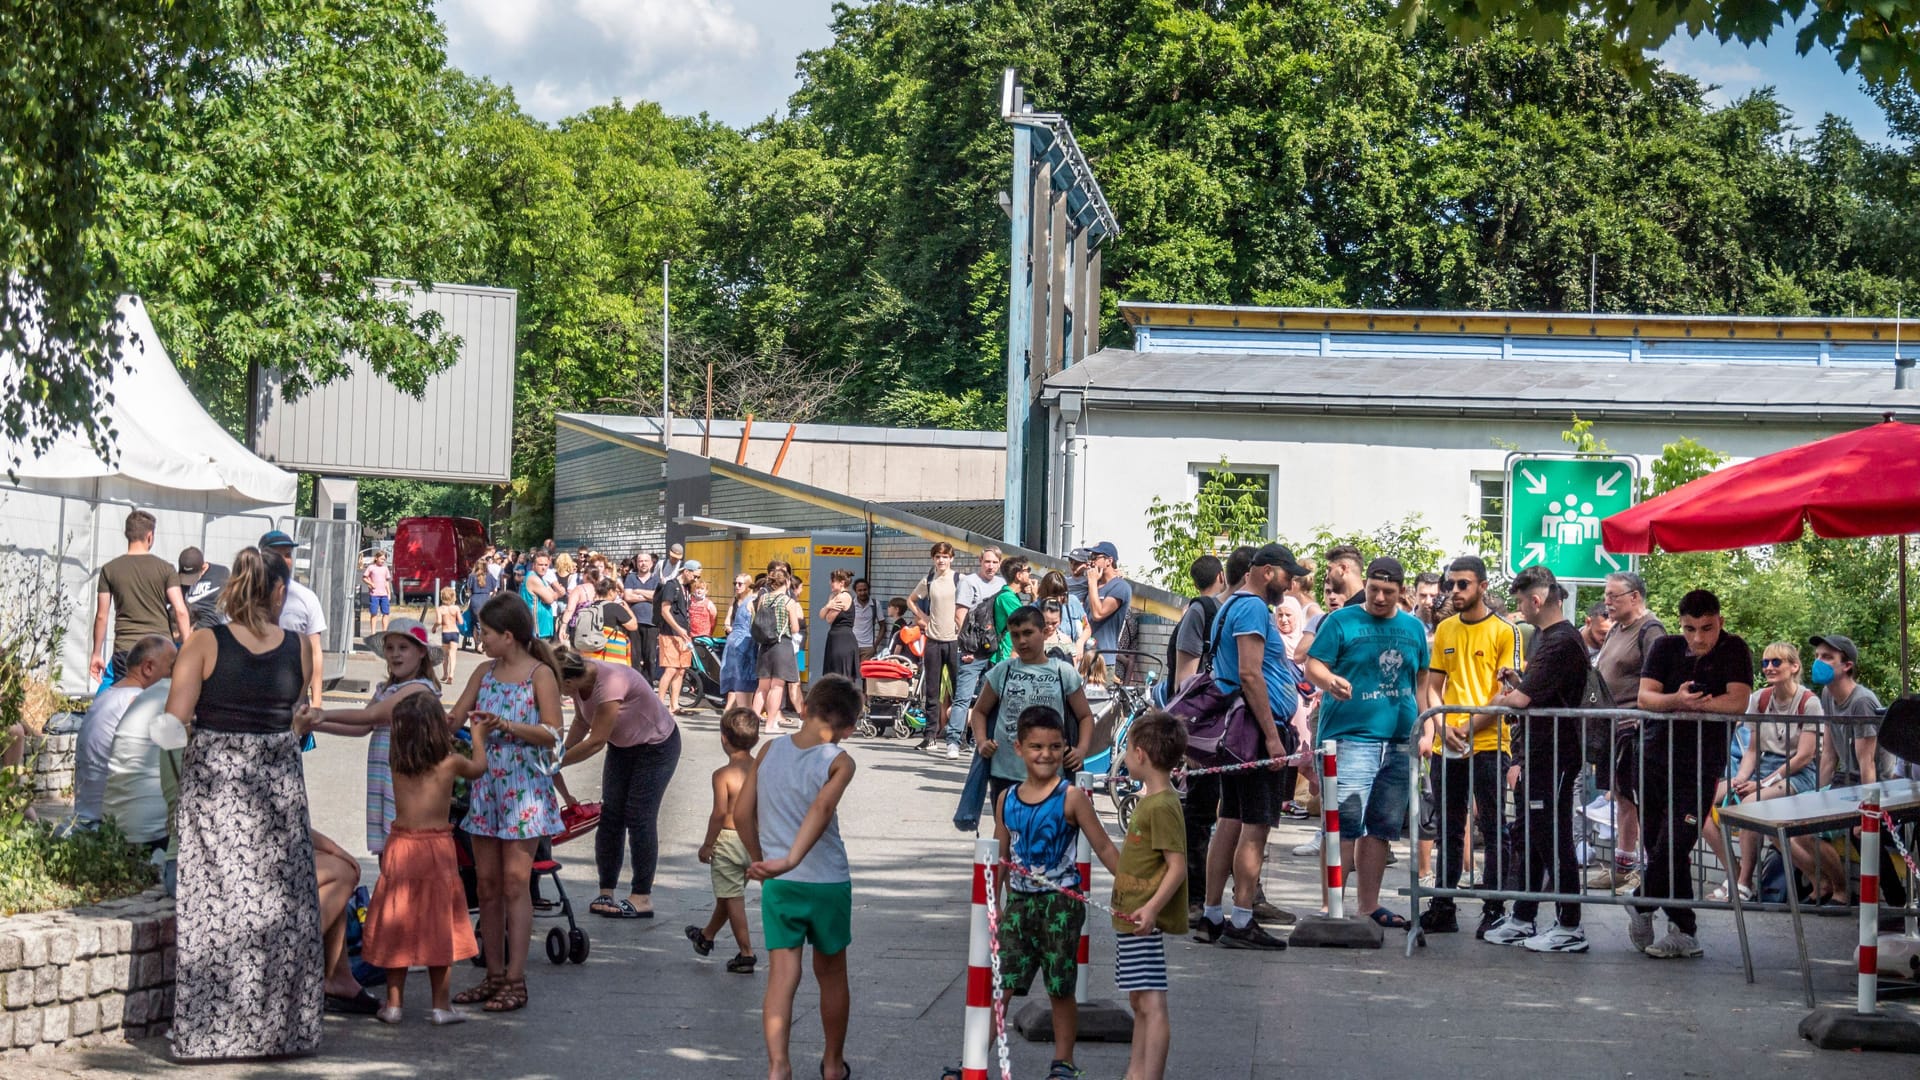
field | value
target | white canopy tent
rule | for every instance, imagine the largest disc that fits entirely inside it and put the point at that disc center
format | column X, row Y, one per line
column 67, row 506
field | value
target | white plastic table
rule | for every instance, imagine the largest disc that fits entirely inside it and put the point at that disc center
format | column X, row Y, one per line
column 1800, row 815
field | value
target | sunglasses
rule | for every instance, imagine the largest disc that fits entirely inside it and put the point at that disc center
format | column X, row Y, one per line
column 1771, row 661
column 1459, row 583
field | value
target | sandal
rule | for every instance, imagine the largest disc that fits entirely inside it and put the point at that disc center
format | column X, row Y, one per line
column 702, row 944
column 488, row 987
column 1389, row 920
column 512, row 997
column 606, row 907
column 741, row 964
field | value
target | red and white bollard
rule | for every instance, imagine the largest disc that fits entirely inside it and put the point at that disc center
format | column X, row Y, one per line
column 1869, row 959
column 1330, row 844
column 975, row 1051
column 1083, row 862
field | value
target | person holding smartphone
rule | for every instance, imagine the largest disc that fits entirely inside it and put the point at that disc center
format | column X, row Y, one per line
column 1702, row 669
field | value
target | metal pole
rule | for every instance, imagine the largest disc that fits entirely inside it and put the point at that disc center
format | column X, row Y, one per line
column 1906, row 670
column 666, row 344
column 977, row 1037
column 1066, row 492
column 1020, row 316
column 1330, row 844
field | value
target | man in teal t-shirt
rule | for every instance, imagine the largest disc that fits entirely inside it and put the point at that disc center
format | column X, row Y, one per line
column 1367, row 659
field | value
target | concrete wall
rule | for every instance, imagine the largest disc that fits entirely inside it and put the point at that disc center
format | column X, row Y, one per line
column 1345, row 473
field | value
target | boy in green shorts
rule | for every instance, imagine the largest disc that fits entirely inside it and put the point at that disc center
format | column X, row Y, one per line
column 1151, row 888
column 787, row 815
column 1040, row 822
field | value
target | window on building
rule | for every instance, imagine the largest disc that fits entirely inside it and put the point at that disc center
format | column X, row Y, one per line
column 1233, row 484
column 1491, row 506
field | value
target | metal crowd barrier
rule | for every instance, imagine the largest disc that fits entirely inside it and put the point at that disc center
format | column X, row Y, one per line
column 1633, row 738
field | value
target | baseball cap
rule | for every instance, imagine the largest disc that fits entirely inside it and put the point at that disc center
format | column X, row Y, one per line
column 1080, row 555
column 691, row 566
column 276, row 539
column 1386, row 568
column 1839, row 643
column 1105, row 547
column 676, row 549
column 1279, row 555
column 191, row 561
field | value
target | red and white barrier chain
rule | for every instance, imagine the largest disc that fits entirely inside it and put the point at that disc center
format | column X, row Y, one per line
column 999, row 992
column 1070, row 893
column 1299, row 757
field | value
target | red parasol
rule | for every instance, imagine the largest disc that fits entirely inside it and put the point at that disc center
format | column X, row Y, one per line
column 1860, row 483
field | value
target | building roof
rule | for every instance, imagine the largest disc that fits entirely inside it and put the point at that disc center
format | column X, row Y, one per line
column 648, row 427
column 1446, row 386
column 1525, row 324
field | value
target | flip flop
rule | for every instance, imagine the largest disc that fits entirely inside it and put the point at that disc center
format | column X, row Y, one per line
column 1389, row 920
column 608, row 908
column 846, row 1071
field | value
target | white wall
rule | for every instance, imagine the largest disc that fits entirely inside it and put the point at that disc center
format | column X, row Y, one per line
column 1348, row 473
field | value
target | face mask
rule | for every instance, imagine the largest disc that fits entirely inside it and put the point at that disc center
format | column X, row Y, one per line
column 1821, row 673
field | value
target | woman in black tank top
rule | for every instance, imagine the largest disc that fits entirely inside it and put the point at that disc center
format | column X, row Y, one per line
column 250, row 959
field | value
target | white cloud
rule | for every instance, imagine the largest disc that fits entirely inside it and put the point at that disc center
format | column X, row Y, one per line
column 732, row 59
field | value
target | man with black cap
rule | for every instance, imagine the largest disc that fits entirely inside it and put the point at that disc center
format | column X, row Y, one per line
column 673, row 609
column 1109, row 599
column 194, row 593
column 1246, row 640
column 1367, row 658
column 301, row 613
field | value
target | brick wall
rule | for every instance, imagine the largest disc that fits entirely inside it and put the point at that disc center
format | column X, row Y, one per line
column 88, row 975
column 52, row 757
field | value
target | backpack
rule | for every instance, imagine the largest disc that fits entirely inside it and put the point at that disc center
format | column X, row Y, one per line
column 590, row 629
column 1221, row 729
column 1209, row 607
column 767, row 625
column 978, row 636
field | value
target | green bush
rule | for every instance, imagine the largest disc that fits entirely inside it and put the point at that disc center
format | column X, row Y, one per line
column 40, row 871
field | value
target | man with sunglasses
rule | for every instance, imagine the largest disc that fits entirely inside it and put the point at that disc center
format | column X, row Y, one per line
column 1470, row 648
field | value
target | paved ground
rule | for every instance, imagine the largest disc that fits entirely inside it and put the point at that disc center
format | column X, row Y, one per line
column 644, row 1006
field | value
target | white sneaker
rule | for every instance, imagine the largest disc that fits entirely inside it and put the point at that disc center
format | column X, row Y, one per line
column 1639, row 929
column 1509, row 931
column 1311, row 847
column 1557, row 939
column 953, row 751
column 1675, row 946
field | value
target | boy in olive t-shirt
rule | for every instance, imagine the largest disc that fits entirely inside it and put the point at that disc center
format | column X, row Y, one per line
column 1150, row 889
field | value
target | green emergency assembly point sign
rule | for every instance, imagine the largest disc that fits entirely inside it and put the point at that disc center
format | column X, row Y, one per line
column 1554, row 509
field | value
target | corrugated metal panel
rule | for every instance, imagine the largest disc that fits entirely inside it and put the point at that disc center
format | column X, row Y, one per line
column 362, row 426
column 982, row 516
column 733, row 500
column 607, row 495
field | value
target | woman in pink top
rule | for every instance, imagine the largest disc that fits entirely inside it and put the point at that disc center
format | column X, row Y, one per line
column 615, row 708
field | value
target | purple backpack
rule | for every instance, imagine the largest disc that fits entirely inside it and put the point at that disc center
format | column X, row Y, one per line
column 1221, row 730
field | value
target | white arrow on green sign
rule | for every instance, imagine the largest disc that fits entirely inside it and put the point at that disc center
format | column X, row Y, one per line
column 1554, row 509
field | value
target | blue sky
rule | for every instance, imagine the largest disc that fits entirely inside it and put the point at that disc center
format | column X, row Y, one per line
column 734, row 59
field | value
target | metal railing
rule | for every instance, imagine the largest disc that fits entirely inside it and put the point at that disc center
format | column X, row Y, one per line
column 1669, row 765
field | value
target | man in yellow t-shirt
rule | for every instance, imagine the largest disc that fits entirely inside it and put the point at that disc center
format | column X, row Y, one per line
column 1469, row 649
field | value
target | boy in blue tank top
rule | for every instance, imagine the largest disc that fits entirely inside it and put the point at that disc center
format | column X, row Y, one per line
column 787, row 815
column 1040, row 822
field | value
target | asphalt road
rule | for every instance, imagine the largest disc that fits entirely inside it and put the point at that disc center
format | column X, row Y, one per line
column 644, row 1006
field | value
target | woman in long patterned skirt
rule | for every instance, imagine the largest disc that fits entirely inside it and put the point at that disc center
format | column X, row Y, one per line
column 250, row 960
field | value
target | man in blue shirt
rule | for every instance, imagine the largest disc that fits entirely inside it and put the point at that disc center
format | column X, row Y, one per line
column 1366, row 659
column 1244, row 639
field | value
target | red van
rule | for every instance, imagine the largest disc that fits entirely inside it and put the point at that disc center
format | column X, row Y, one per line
column 426, row 549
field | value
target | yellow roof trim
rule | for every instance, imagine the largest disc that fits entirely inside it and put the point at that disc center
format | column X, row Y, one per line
column 1500, row 324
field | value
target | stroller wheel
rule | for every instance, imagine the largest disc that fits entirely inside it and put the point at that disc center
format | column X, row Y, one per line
column 557, row 945
column 480, row 958
column 1123, row 803
column 577, row 945
column 865, row 728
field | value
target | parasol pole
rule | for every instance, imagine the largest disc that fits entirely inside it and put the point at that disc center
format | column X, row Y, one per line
column 1905, row 672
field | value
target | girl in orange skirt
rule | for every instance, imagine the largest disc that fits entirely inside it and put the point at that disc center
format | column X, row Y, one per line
column 418, row 917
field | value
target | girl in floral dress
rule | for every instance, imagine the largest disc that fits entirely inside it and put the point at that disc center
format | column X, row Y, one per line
column 515, row 697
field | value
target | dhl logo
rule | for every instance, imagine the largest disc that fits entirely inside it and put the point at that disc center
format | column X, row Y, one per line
column 848, row 550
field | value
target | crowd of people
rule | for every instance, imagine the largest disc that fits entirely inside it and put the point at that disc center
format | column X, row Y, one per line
column 231, row 653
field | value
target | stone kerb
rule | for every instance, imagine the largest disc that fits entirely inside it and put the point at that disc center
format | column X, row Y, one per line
column 86, row 975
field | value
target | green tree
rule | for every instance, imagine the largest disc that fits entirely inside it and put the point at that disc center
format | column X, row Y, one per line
column 258, row 218
column 1882, row 40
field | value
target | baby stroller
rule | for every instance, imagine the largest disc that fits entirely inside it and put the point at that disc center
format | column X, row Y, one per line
column 893, row 684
